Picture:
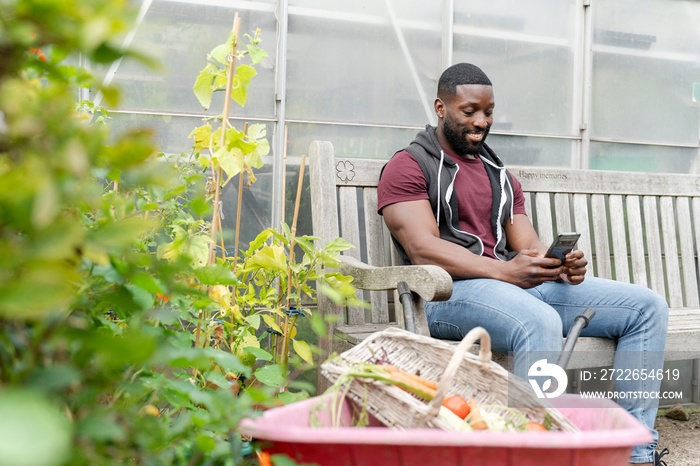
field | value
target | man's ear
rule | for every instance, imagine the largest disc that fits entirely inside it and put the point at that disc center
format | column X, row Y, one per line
column 439, row 108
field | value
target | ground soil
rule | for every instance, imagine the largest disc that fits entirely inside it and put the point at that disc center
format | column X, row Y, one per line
column 682, row 438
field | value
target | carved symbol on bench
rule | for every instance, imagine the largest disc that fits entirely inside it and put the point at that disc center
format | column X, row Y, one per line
column 697, row 184
column 345, row 170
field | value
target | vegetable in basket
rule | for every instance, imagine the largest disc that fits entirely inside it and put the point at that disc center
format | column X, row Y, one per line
column 460, row 414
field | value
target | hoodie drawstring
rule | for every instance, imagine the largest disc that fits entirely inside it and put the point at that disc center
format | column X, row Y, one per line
column 512, row 196
column 439, row 176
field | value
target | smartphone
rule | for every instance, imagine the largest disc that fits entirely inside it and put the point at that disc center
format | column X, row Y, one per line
column 562, row 245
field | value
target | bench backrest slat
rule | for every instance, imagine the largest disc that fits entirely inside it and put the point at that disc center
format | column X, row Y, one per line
column 619, row 238
column 635, row 230
column 673, row 273
column 600, row 235
column 562, row 212
column 582, row 225
column 635, row 227
column 375, row 252
column 687, row 253
column 544, row 217
column 349, row 224
column 350, row 232
column 653, row 238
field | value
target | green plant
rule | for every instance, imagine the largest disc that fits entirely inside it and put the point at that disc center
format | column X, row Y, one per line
column 106, row 269
column 268, row 279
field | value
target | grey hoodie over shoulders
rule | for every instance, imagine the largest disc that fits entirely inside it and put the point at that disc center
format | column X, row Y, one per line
column 440, row 172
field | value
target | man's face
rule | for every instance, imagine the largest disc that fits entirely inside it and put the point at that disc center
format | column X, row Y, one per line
column 467, row 118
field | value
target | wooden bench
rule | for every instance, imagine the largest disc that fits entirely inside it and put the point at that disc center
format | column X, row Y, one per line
column 642, row 228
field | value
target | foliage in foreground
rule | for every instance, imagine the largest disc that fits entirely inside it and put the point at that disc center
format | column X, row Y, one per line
column 117, row 344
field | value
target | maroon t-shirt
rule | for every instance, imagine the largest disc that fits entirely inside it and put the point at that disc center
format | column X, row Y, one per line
column 403, row 180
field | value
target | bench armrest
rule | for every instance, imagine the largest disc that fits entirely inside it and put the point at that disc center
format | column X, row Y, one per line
column 430, row 282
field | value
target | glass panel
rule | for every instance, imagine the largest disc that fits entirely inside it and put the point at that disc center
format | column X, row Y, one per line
column 178, row 35
column 646, row 56
column 642, row 158
column 172, row 132
column 345, row 61
column 348, row 141
column 528, row 50
column 366, row 142
column 171, row 136
column 533, row 151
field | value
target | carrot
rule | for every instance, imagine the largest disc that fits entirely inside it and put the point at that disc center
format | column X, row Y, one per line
column 264, row 458
column 416, row 378
column 410, row 383
column 475, row 418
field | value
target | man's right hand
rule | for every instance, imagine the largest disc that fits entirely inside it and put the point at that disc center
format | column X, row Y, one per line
column 529, row 269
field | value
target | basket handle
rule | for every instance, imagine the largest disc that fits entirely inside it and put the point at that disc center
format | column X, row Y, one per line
column 477, row 333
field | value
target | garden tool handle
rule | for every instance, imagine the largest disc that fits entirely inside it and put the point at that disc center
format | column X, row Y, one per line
column 580, row 322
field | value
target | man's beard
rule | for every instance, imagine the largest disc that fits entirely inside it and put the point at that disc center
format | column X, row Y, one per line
column 458, row 140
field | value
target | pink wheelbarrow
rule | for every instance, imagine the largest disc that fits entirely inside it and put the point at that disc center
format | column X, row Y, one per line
column 607, row 434
column 591, row 432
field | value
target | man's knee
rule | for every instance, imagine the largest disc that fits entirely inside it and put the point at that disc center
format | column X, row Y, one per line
column 540, row 331
column 655, row 309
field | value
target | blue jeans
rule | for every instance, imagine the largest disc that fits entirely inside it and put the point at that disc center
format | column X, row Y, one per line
column 535, row 320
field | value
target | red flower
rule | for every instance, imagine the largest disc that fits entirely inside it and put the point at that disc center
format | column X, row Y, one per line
column 38, row 52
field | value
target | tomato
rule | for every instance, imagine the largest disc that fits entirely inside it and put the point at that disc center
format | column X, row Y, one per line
column 533, row 426
column 457, row 405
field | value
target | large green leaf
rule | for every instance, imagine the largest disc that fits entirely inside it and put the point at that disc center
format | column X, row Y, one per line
column 257, row 131
column 114, row 237
column 241, row 82
column 229, row 362
column 259, row 353
column 338, row 245
column 256, row 53
column 202, row 137
column 303, row 350
column 221, row 52
column 270, row 321
column 272, row 257
column 147, row 282
column 193, row 246
column 262, row 148
column 38, row 289
column 271, row 375
column 203, row 85
column 216, row 274
column 32, row 431
column 231, row 161
column 101, row 428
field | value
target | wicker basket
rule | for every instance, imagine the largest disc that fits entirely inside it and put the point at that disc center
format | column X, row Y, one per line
column 458, row 372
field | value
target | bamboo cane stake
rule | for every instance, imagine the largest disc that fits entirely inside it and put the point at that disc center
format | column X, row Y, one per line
column 285, row 344
column 221, row 238
column 235, row 245
column 217, row 174
column 224, row 124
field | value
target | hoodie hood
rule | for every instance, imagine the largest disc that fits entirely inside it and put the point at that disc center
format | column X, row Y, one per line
column 440, row 172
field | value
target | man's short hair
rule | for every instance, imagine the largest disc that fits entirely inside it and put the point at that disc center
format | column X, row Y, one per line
column 459, row 74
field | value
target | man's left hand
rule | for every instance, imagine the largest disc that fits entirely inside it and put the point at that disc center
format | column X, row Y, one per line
column 574, row 268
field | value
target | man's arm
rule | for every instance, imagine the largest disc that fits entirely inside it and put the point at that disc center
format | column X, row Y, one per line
column 412, row 223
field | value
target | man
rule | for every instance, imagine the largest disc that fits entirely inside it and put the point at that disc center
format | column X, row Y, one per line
column 447, row 200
